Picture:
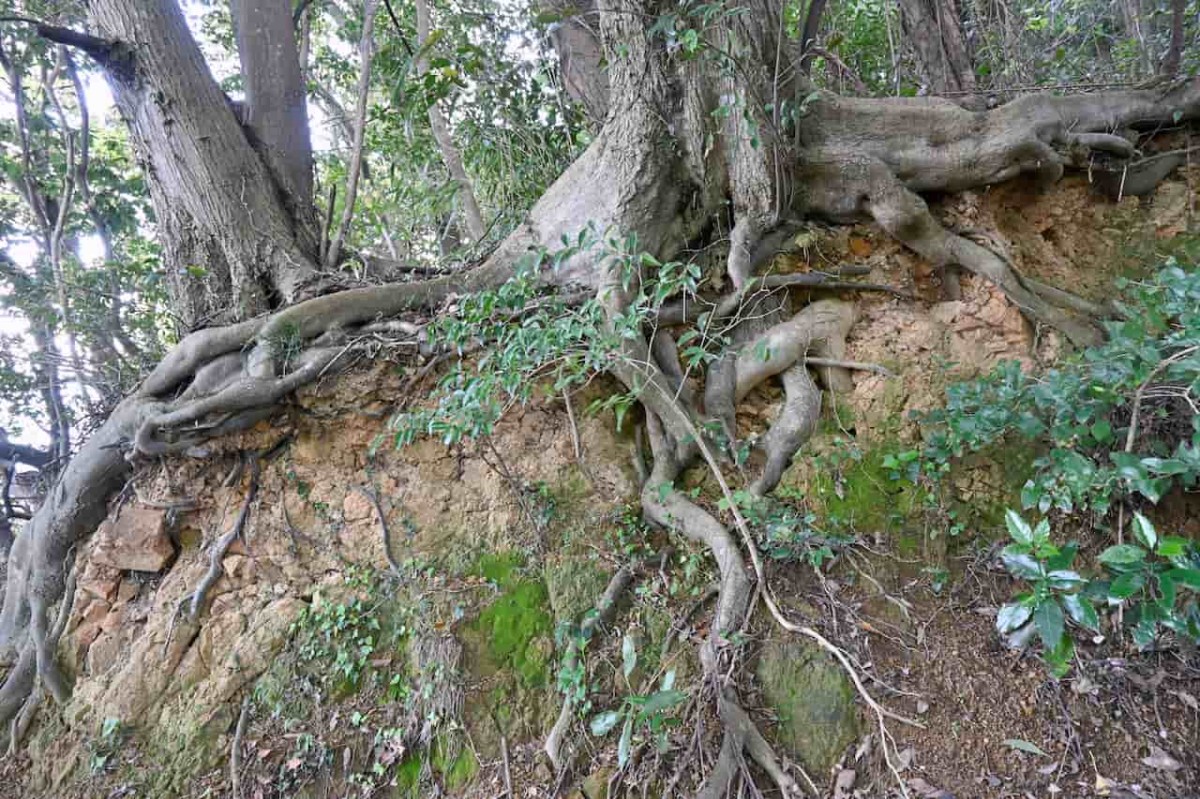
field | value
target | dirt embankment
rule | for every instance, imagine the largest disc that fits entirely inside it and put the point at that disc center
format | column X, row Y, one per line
column 342, row 669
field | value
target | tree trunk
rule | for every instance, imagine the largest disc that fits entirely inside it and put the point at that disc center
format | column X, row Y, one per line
column 276, row 111
column 226, row 229
column 934, row 27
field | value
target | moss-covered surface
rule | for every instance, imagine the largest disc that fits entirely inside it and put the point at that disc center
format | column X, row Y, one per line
column 813, row 700
column 517, row 626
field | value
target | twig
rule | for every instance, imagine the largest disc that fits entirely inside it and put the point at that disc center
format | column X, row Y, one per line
column 508, row 789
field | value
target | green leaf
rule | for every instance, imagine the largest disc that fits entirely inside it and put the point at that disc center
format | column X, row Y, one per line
column 1020, row 564
column 1144, row 532
column 662, row 700
column 1172, row 546
column 1024, row 746
column 1065, row 580
column 1122, row 555
column 1018, row 528
column 1185, row 577
column 1126, row 585
column 1012, row 616
column 602, row 723
column 629, row 656
column 1048, row 617
column 625, row 744
column 1080, row 610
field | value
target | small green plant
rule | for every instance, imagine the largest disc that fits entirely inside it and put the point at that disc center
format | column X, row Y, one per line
column 1054, row 588
column 649, row 715
column 112, row 735
column 1146, row 576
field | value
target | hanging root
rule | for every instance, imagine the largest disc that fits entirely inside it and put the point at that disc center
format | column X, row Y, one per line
column 217, row 555
column 602, row 614
column 384, row 530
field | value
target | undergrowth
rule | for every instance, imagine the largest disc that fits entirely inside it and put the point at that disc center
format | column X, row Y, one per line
column 1117, row 428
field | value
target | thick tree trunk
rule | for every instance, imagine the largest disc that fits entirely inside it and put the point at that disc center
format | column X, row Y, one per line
column 227, row 231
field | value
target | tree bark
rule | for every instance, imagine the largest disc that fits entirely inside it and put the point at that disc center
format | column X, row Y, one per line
column 276, row 111
column 226, row 230
column 934, row 27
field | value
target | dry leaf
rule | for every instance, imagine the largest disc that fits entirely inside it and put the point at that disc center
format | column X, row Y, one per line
column 861, row 247
column 1161, row 760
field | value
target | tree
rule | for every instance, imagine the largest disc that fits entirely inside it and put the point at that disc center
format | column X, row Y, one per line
column 712, row 136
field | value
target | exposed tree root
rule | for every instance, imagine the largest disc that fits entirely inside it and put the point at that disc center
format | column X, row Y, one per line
column 618, row 584
column 221, row 546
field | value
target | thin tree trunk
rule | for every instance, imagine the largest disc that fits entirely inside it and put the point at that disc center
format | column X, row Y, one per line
column 445, row 141
column 366, row 50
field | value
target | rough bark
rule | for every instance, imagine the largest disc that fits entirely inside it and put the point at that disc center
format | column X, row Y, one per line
column 934, row 28
column 227, row 231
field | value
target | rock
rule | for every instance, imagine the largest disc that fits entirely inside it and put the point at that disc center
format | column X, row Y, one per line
column 814, row 702
column 103, row 653
column 135, row 540
column 98, row 581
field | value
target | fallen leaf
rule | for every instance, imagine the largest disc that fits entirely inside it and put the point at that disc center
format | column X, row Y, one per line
column 1104, row 786
column 294, row 764
column 1161, row 760
column 926, row 791
column 922, row 707
column 861, row 247
column 844, row 784
column 1024, row 746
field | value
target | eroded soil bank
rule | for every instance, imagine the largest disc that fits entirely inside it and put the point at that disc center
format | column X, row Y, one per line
column 340, row 668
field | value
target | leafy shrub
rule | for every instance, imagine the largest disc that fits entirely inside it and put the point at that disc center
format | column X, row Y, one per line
column 1082, row 412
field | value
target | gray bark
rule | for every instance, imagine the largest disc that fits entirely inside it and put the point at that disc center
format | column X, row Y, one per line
column 276, row 111
column 227, row 232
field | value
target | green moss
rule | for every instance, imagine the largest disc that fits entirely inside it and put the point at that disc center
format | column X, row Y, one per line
column 863, row 495
column 514, row 623
column 813, row 700
column 499, row 568
column 459, row 772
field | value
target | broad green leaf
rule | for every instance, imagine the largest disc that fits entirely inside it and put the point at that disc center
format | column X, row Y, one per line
column 1020, row 564
column 1024, row 746
column 1081, row 611
column 602, row 723
column 1144, row 532
column 1018, row 528
column 1012, row 616
column 1048, row 617
column 629, row 656
column 662, row 700
column 1185, row 577
column 1172, row 546
column 1065, row 580
column 1122, row 555
column 1126, row 585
